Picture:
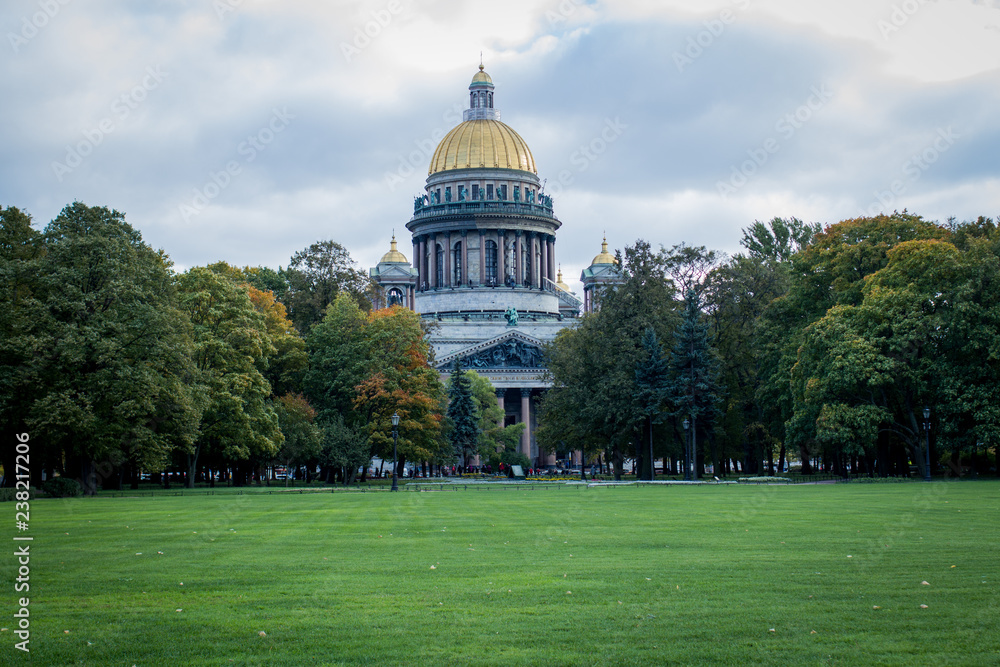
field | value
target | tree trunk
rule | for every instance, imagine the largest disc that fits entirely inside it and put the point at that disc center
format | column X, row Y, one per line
column 192, row 464
column 807, row 468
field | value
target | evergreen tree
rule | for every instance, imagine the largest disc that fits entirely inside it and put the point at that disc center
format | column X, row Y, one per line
column 694, row 389
column 462, row 415
column 651, row 378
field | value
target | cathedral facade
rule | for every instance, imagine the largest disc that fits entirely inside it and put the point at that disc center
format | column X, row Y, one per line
column 484, row 271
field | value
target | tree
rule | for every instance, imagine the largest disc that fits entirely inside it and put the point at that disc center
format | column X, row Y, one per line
column 830, row 271
column 592, row 401
column 284, row 366
column 694, row 387
column 303, row 439
column 345, row 449
column 463, row 419
column 364, row 367
column 651, row 379
column 315, row 276
column 495, row 440
column 20, row 248
column 99, row 356
column 230, row 342
column 926, row 332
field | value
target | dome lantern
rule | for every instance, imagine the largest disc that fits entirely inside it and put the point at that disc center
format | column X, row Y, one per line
column 481, row 98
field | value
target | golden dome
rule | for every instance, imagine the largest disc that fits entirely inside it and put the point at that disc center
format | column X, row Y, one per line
column 394, row 255
column 477, row 144
column 481, row 77
column 605, row 257
column 559, row 281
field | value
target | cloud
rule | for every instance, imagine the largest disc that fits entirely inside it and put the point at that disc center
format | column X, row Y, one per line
column 630, row 138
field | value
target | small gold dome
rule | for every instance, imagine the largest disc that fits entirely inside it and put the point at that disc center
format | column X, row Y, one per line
column 477, row 144
column 394, row 255
column 481, row 77
column 605, row 257
column 559, row 281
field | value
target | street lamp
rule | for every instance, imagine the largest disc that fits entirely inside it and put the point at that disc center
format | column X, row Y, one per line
column 395, row 437
column 927, row 442
column 687, row 450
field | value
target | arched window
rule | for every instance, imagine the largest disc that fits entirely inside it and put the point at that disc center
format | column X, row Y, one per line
column 456, row 264
column 491, row 262
column 394, row 297
column 439, row 261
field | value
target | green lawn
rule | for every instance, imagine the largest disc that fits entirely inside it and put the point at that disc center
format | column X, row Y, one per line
column 559, row 575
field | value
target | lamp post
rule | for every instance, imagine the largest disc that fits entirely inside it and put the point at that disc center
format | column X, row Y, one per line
column 687, row 451
column 395, row 437
column 927, row 442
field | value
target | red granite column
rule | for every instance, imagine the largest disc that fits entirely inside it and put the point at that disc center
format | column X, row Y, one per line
column 526, row 418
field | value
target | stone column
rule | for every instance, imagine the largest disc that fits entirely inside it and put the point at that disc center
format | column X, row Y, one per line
column 503, row 413
column 519, row 259
column 447, row 260
column 465, row 258
column 526, row 418
column 416, row 254
column 418, row 261
column 501, row 257
column 545, row 259
column 482, row 258
column 432, row 261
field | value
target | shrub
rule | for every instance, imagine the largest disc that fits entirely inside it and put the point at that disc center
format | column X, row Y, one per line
column 63, row 487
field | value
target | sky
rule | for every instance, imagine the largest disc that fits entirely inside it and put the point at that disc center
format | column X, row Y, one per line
column 245, row 130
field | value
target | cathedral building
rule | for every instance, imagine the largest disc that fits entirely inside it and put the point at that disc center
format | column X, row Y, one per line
column 484, row 268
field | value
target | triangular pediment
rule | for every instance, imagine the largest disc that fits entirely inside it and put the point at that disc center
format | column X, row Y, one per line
column 511, row 349
column 395, row 271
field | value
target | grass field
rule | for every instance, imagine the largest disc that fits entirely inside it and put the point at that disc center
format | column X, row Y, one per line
column 824, row 574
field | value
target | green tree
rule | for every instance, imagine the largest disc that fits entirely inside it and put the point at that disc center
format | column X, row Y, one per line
column 284, row 366
column 463, row 419
column 829, row 272
column 20, row 248
column 495, row 439
column 694, row 386
column 239, row 424
column 303, row 439
column 924, row 333
column 592, row 400
column 364, row 367
column 345, row 449
column 315, row 276
column 737, row 294
column 101, row 364
column 652, row 382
